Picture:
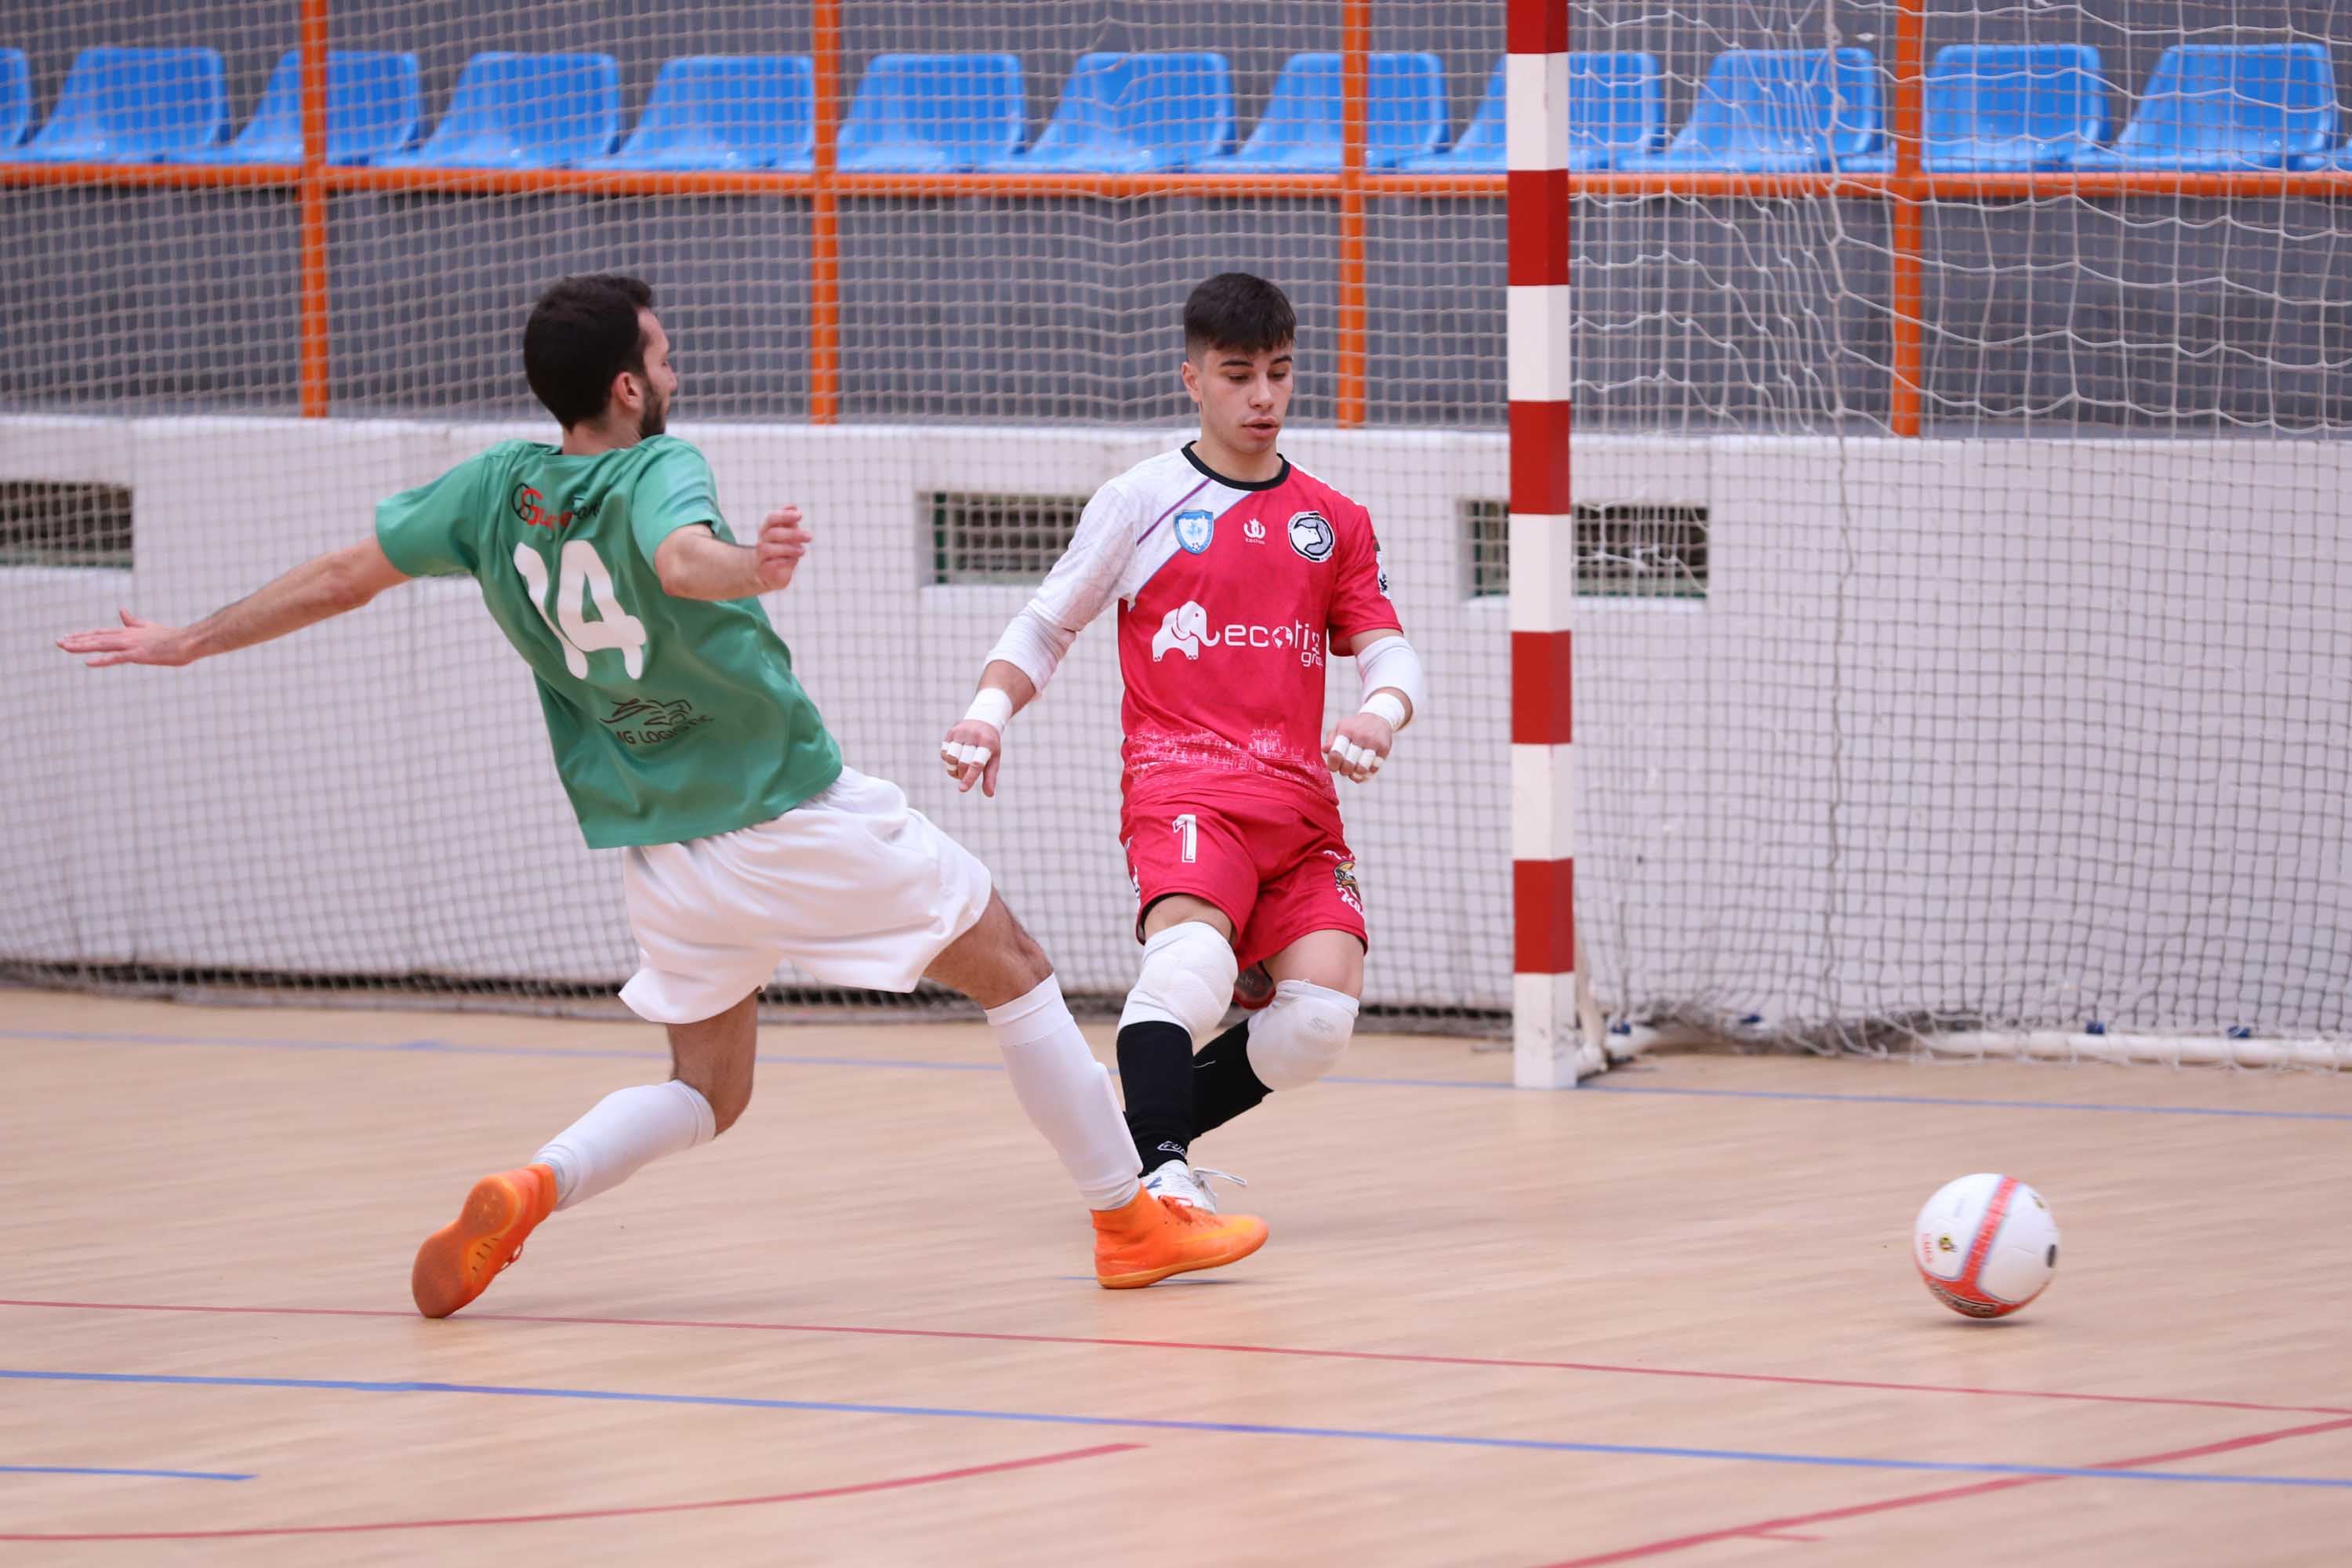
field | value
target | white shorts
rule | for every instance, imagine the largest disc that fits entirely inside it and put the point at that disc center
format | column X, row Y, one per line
column 854, row 886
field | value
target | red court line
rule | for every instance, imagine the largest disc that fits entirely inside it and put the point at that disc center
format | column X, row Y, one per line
column 894, row 1485
column 1402, row 1357
column 1770, row 1528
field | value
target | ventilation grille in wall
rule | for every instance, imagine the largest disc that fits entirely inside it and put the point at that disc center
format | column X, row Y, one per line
column 50, row 522
column 1640, row 551
column 1487, row 543
column 1635, row 550
column 999, row 538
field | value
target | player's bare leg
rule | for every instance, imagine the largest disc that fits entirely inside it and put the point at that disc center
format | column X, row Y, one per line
column 994, row 962
column 715, row 1057
column 1138, row 1238
column 1298, row 1036
column 711, row 1083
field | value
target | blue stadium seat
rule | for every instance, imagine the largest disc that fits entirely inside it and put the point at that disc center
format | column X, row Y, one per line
column 933, row 114
column 523, row 112
column 2230, row 106
column 1133, row 114
column 1777, row 111
column 132, row 106
column 1616, row 105
column 16, row 98
column 725, row 111
column 1302, row 130
column 372, row 107
column 2006, row 109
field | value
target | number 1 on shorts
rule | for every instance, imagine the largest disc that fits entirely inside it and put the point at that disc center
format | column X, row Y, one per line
column 1188, row 827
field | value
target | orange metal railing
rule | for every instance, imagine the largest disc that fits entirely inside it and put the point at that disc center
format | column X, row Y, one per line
column 825, row 224
column 1355, row 75
column 316, row 350
column 1905, row 280
column 1698, row 185
column 1907, row 189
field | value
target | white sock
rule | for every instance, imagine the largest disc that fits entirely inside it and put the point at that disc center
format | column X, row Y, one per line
column 628, row 1128
column 1066, row 1093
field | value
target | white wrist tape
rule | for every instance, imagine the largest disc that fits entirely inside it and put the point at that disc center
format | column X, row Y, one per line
column 990, row 707
column 1388, row 705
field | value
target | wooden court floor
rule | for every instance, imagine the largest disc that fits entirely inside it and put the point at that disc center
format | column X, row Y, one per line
column 1669, row 1321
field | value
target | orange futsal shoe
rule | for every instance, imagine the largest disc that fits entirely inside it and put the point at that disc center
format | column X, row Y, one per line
column 458, row 1261
column 1153, row 1238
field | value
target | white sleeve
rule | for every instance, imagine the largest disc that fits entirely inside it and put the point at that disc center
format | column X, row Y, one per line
column 1081, row 586
column 1391, row 664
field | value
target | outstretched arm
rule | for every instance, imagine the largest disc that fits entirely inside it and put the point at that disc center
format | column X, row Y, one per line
column 320, row 587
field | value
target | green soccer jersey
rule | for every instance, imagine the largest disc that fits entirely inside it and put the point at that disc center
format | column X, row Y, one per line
column 672, row 718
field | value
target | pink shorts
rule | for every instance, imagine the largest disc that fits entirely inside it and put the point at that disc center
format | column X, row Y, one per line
column 1278, row 874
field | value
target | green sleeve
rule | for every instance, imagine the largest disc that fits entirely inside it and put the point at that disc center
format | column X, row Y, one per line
column 427, row 531
column 674, row 491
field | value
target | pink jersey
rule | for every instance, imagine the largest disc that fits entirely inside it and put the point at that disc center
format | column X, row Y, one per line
column 1230, row 597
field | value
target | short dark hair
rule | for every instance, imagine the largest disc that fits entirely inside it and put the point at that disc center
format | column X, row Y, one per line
column 582, row 332
column 1236, row 311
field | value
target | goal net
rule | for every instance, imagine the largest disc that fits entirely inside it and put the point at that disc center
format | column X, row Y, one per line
column 1963, row 642
column 1949, row 539
column 227, row 351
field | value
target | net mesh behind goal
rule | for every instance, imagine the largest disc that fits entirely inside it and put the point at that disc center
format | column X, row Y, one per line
column 1962, row 646
column 938, row 355
column 1968, row 659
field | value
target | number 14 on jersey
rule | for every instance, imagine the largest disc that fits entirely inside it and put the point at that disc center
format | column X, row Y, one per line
column 581, row 572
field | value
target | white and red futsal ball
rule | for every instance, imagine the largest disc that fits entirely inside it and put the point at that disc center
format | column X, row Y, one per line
column 1986, row 1245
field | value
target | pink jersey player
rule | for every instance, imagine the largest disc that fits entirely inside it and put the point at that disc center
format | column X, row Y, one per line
column 1238, row 577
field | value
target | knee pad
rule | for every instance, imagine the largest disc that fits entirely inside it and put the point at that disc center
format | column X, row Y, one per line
column 1300, row 1035
column 1187, row 979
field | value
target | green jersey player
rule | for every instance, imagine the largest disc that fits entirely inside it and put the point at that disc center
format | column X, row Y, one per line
column 685, row 743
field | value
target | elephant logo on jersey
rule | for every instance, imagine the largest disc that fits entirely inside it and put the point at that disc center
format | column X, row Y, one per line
column 1194, row 530
column 1184, row 630
column 1311, row 536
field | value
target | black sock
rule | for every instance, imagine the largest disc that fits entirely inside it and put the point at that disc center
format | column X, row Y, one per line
column 1222, row 1085
column 1155, row 1068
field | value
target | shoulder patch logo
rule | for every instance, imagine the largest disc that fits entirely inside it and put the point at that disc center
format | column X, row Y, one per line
column 1311, row 535
column 1380, row 566
column 1194, row 530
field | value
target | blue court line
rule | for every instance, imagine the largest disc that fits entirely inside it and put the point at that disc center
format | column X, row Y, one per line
column 103, row 1470
column 1978, row 1104
column 1245, row 1429
column 450, row 1048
